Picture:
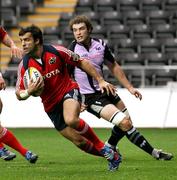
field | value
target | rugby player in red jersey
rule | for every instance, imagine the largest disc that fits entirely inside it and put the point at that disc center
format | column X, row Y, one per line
column 60, row 96
column 6, row 136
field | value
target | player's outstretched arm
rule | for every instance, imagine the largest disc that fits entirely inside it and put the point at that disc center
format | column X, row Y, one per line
column 15, row 51
column 121, row 77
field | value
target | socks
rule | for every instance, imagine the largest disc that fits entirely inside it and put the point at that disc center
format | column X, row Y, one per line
column 1, row 146
column 136, row 138
column 133, row 135
column 89, row 147
column 116, row 136
column 85, row 130
column 9, row 139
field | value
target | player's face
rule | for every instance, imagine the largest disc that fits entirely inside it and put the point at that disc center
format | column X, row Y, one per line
column 28, row 43
column 81, row 33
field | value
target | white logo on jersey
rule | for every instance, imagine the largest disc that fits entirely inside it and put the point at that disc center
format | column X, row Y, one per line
column 52, row 60
column 52, row 73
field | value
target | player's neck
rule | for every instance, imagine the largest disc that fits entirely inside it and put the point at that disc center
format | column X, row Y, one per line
column 87, row 43
column 38, row 52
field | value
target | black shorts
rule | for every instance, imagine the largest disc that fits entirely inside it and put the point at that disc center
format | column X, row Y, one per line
column 98, row 100
column 56, row 115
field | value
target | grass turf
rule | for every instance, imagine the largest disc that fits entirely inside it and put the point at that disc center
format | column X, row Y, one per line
column 61, row 160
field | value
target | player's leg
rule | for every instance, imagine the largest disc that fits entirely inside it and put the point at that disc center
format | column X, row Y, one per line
column 4, row 152
column 101, row 105
column 125, row 127
column 80, row 141
column 57, row 119
column 60, row 114
column 71, row 115
column 71, row 111
column 8, row 138
column 87, row 146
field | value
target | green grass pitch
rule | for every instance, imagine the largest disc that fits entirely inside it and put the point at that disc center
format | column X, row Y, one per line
column 61, row 160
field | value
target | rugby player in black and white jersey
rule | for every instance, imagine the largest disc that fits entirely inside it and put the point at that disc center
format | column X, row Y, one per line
column 107, row 106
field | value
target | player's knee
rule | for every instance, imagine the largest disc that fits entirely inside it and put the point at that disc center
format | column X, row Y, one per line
column 125, row 124
column 125, row 111
column 72, row 122
column 117, row 118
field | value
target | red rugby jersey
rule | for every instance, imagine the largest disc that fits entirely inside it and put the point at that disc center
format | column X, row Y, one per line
column 2, row 33
column 54, row 71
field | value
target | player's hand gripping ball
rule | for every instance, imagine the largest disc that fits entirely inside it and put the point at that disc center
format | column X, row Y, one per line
column 34, row 74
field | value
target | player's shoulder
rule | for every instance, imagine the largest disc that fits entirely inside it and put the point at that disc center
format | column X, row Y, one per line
column 63, row 50
column 72, row 45
column 99, row 41
column 60, row 48
column 25, row 61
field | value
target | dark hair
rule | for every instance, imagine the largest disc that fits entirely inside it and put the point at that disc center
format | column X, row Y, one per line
column 34, row 30
column 81, row 19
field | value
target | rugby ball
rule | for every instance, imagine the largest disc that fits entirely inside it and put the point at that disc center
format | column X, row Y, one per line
column 34, row 74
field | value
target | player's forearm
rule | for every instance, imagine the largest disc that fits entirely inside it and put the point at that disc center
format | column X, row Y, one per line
column 120, row 75
column 8, row 41
column 90, row 69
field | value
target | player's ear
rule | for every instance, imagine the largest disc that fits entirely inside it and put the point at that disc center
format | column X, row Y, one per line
column 89, row 30
column 37, row 41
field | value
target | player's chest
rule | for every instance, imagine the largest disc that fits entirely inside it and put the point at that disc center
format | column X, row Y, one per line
column 48, row 65
column 94, row 54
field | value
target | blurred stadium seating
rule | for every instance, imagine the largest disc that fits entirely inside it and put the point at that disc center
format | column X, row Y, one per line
column 141, row 33
column 8, row 18
column 148, row 45
column 104, row 5
column 84, row 6
column 123, row 5
column 94, row 16
column 151, row 4
column 111, row 18
column 64, row 19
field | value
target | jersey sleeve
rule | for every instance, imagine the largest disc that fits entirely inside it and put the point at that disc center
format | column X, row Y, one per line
column 20, row 74
column 108, row 55
column 2, row 33
column 69, row 56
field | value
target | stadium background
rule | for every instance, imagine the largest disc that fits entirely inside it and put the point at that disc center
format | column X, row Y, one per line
column 141, row 33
